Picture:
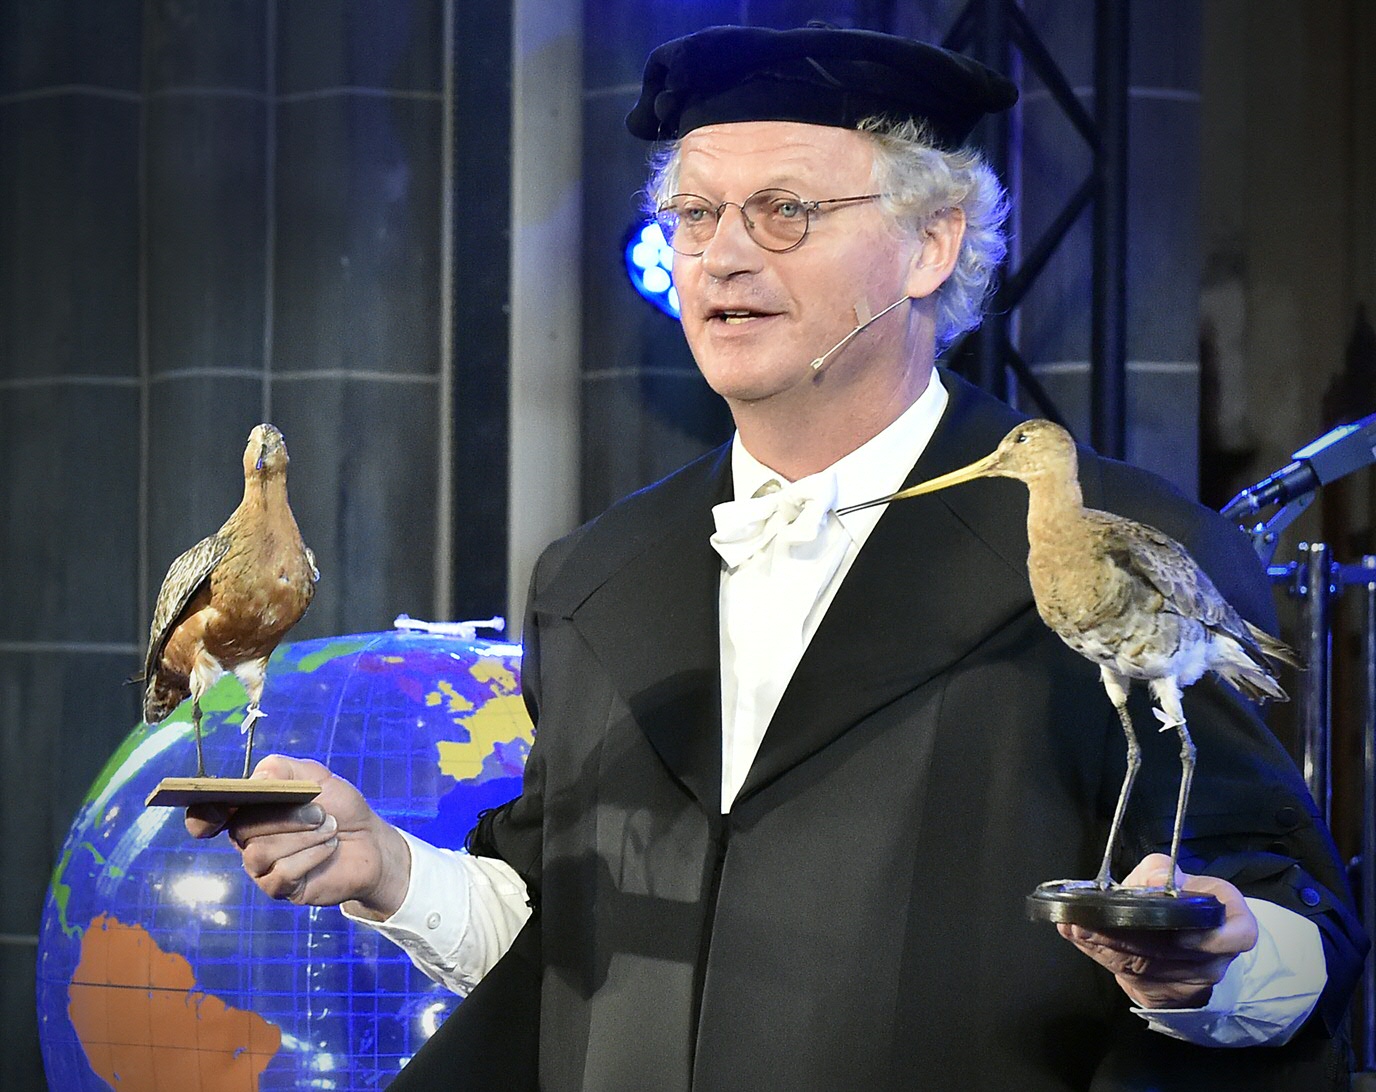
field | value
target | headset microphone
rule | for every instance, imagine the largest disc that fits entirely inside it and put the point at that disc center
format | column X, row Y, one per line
column 818, row 364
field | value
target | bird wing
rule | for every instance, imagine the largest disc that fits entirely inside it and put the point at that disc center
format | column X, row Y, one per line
column 1162, row 563
column 186, row 574
column 1166, row 566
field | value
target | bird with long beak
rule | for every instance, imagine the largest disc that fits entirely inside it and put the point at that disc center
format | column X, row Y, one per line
column 227, row 602
column 1126, row 597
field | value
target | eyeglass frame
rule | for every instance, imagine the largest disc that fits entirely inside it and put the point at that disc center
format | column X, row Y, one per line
column 808, row 207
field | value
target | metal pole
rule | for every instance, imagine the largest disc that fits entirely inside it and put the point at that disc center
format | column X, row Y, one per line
column 1318, row 594
column 1108, row 332
column 993, row 49
column 1366, row 1039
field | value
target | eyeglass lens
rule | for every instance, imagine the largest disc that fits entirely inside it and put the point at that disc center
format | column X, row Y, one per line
column 775, row 219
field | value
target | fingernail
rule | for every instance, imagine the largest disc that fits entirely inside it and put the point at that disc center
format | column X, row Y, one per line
column 332, row 843
column 330, row 825
column 313, row 814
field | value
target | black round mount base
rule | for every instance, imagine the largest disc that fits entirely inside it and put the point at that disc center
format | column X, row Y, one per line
column 1083, row 902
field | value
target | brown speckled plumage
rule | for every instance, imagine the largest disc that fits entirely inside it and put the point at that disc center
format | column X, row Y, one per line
column 1123, row 595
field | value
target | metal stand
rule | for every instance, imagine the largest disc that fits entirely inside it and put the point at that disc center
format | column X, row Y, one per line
column 1318, row 581
column 1365, row 1039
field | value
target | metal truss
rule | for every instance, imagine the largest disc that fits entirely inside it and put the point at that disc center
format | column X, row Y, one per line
column 990, row 30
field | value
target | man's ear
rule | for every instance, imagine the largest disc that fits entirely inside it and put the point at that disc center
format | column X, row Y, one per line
column 935, row 257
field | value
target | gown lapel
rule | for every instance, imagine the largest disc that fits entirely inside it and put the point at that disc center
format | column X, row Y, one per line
column 641, row 589
column 937, row 574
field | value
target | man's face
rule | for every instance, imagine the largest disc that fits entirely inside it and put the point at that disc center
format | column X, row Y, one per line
column 756, row 319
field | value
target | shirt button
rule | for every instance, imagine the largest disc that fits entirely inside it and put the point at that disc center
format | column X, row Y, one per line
column 433, row 921
column 1309, row 896
column 1288, row 818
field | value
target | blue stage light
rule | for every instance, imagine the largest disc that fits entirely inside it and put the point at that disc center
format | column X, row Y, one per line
column 649, row 264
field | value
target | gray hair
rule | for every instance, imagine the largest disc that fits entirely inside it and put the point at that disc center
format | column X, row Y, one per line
column 922, row 182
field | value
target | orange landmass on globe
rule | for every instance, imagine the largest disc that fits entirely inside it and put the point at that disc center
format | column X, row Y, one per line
column 146, row 1028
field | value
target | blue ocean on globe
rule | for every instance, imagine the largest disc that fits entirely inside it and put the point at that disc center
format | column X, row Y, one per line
column 161, row 966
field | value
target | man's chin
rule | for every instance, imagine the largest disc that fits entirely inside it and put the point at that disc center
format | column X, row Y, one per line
column 747, row 392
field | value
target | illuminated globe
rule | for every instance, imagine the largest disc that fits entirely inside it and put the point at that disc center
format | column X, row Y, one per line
column 160, row 966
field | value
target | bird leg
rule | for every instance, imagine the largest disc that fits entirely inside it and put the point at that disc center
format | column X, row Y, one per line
column 252, row 673
column 254, row 713
column 1172, row 715
column 196, row 721
column 1117, row 685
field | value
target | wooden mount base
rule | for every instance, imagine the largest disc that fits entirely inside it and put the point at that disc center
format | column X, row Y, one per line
column 178, row 792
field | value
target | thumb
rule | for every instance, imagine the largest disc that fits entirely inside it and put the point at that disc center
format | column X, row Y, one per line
column 1153, row 870
column 286, row 768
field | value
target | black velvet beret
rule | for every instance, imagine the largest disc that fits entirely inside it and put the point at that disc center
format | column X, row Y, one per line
column 817, row 74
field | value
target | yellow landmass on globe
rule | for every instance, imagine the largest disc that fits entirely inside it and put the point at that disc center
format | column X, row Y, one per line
column 145, row 1027
column 501, row 720
column 445, row 692
column 488, row 670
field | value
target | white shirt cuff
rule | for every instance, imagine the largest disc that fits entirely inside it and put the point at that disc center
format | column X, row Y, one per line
column 1265, row 995
column 459, row 916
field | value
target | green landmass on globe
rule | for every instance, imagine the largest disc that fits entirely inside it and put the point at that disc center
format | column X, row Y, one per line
column 161, row 966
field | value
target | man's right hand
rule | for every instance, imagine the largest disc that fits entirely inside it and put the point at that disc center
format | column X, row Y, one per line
column 333, row 850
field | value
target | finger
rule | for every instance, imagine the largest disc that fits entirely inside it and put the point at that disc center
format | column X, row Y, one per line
column 1182, row 944
column 207, row 820
column 259, row 820
column 1144, row 971
column 263, row 853
column 1201, row 971
column 1116, row 953
column 1209, row 973
column 289, row 877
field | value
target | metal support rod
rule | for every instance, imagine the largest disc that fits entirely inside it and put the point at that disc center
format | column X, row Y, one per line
column 1317, row 565
column 993, row 46
column 1108, row 333
column 1366, row 1037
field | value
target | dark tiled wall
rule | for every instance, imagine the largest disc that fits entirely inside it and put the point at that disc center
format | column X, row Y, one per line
column 211, row 214
column 70, row 115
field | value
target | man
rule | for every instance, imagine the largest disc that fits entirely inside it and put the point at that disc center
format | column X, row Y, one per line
column 795, row 772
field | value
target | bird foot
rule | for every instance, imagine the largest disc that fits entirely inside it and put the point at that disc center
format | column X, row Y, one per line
column 253, row 715
column 1167, row 721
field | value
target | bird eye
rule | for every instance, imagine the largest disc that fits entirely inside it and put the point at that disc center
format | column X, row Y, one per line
column 1022, row 438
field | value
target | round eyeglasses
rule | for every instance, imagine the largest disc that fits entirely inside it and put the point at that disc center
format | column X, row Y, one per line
column 778, row 220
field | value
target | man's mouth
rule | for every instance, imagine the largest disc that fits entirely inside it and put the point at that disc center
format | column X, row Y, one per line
column 736, row 316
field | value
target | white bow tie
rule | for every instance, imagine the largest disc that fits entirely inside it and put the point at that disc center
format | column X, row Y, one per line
column 792, row 514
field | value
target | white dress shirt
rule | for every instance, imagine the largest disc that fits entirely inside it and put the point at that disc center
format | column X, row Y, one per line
column 778, row 578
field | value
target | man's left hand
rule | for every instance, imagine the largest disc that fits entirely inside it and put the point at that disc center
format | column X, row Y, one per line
column 1175, row 969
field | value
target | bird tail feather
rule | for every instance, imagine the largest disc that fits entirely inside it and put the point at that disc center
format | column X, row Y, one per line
column 1254, row 683
column 1275, row 650
column 1247, row 663
column 163, row 695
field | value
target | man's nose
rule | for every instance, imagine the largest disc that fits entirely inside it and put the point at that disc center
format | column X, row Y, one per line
column 731, row 249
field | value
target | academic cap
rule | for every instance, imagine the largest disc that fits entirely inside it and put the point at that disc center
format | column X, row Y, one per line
column 819, row 74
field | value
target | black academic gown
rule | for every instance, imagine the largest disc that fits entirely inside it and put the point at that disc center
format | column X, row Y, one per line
column 856, row 921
